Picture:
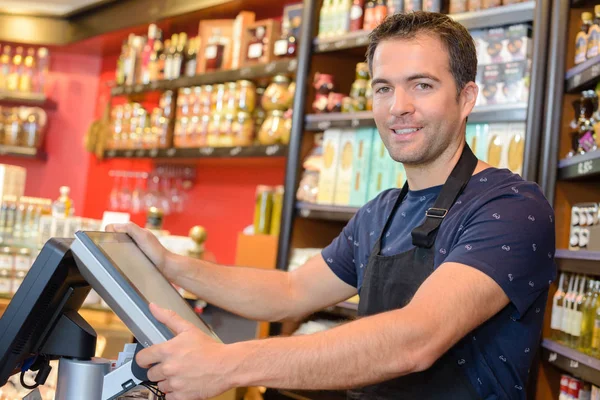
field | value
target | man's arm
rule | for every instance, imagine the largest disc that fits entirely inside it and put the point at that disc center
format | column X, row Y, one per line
column 453, row 301
column 265, row 295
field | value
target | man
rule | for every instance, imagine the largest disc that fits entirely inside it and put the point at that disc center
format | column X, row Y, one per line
column 453, row 271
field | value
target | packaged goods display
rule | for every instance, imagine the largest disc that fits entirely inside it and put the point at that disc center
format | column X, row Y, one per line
column 22, row 126
column 23, row 71
column 328, row 100
column 585, row 126
column 587, row 39
column 585, row 228
column 500, row 145
column 573, row 388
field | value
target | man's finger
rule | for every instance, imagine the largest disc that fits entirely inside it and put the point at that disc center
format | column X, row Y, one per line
column 157, row 374
column 164, row 386
column 151, row 355
column 170, row 319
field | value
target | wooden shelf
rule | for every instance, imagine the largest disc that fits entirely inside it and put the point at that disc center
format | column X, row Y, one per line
column 583, row 3
column 583, row 76
column 496, row 113
column 579, row 262
column 571, row 361
column 25, row 152
column 505, row 15
column 275, row 150
column 253, row 72
column 16, row 99
column 579, row 167
column 325, row 212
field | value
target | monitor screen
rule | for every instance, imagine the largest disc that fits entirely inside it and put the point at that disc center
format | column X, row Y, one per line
column 137, row 280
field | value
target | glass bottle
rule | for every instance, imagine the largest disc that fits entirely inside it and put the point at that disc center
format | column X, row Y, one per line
column 370, row 21
column 179, row 56
column 567, row 310
column 380, row 11
column 5, row 67
column 169, row 61
column 280, row 47
column 324, row 19
column 557, row 307
column 344, row 9
column 43, row 65
column 577, row 315
column 146, row 55
column 357, row 15
column 63, row 206
column 581, row 40
column 26, row 81
column 191, row 57
column 12, row 128
column 589, row 311
column 257, row 45
column 214, row 52
column 16, row 70
column 162, row 58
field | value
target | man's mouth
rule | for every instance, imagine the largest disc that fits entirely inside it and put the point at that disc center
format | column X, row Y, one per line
column 405, row 131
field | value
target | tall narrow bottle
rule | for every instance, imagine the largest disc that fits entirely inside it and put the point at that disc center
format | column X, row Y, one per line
column 324, row 19
column 557, row 307
column 567, row 310
column 589, row 313
column 577, row 317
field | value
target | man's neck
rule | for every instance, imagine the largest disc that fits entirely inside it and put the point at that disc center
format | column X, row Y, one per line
column 435, row 173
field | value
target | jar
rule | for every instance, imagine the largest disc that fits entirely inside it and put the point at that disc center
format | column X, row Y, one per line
column 263, row 210
column 287, row 123
column 6, row 258
column 192, row 131
column 246, row 100
column 347, row 104
column 212, row 139
column 334, row 102
column 259, row 113
column 154, row 219
column 277, row 210
column 243, row 129
column 219, row 99
column 359, row 88
column 5, row 282
column 179, row 132
column 206, row 99
column 362, row 71
column 226, row 131
column 162, row 133
column 323, row 83
column 23, row 260
column 273, row 129
column 183, row 106
column 291, row 93
column 196, row 105
column 360, row 104
column 231, row 98
column 276, row 95
column 202, row 132
column 12, row 128
column 369, row 96
column 2, row 119
column 166, row 103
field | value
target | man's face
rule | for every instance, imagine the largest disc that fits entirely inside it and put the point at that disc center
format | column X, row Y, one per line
column 415, row 103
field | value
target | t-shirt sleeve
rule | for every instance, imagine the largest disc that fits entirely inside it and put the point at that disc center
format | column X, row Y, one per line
column 511, row 239
column 339, row 255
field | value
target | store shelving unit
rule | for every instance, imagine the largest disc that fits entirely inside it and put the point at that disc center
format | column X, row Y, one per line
column 275, row 150
column 571, row 361
column 15, row 99
column 209, row 78
column 325, row 212
column 23, row 152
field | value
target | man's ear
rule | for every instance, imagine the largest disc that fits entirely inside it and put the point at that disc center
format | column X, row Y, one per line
column 468, row 97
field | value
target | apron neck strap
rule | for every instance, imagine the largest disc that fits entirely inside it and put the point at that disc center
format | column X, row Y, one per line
column 425, row 234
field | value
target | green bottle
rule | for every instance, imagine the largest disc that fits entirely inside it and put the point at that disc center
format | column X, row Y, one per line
column 589, row 313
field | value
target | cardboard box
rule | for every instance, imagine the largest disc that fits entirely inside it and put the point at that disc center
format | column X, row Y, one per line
column 381, row 168
column 361, row 166
column 515, row 85
column 328, row 174
column 479, row 141
column 490, row 81
column 257, row 53
column 503, row 44
column 208, row 31
column 242, row 21
column 292, row 18
column 256, row 251
column 344, row 169
column 515, row 147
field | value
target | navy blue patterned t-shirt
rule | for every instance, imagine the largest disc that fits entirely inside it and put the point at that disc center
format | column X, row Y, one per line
column 500, row 225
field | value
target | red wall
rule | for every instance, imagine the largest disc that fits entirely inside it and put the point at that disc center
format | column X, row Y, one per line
column 222, row 199
column 73, row 86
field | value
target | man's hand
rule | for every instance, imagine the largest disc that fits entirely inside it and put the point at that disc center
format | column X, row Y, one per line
column 149, row 244
column 190, row 366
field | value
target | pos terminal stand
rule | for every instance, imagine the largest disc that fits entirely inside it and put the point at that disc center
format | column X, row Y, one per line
column 42, row 322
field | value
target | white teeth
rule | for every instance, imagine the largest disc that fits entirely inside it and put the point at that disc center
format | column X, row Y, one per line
column 405, row 131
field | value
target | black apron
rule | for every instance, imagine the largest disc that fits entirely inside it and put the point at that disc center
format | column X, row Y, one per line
column 390, row 282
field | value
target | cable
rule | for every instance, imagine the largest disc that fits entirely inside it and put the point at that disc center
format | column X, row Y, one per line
column 26, row 386
column 155, row 390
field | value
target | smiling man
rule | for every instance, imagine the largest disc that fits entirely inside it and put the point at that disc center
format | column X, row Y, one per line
column 453, row 270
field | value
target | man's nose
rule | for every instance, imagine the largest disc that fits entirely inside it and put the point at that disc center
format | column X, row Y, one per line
column 402, row 104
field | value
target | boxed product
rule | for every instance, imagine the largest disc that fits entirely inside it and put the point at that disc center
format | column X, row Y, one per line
column 292, row 18
column 361, row 166
column 344, row 169
column 381, row 168
column 216, row 38
column 477, row 138
column 503, row 44
column 258, row 40
column 515, row 147
column 498, row 138
column 242, row 21
column 328, row 174
column 489, row 80
column 515, row 88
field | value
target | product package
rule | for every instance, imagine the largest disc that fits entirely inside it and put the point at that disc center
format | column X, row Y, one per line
column 328, row 174
column 361, row 166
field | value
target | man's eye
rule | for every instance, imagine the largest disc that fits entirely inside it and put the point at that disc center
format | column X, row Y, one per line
column 423, row 86
column 383, row 89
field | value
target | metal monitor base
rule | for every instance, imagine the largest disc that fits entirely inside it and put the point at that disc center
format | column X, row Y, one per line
column 93, row 379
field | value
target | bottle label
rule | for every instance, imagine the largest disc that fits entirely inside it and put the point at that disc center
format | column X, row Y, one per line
column 576, row 321
column 255, row 50
column 596, row 335
column 566, row 320
column 356, row 12
column 280, row 47
column 580, row 48
column 593, row 41
column 210, row 52
column 557, row 315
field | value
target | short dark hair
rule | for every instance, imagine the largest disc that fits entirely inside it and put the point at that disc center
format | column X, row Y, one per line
column 455, row 37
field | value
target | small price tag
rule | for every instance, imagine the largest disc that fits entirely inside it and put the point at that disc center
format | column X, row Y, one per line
column 271, row 150
column 171, row 152
column 292, row 65
column 270, row 67
column 153, row 153
column 354, row 123
column 553, row 357
column 129, row 153
column 111, row 153
column 340, row 44
column 324, row 125
column 154, row 85
column 361, row 41
column 138, row 88
column 235, row 151
column 206, row 151
column 244, row 72
column 577, row 80
column 585, row 167
column 324, row 46
column 573, row 364
column 140, row 153
column 118, row 90
column 595, row 70
column 128, row 89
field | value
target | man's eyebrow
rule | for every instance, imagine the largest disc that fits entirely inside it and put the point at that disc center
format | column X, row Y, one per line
column 379, row 80
column 408, row 79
